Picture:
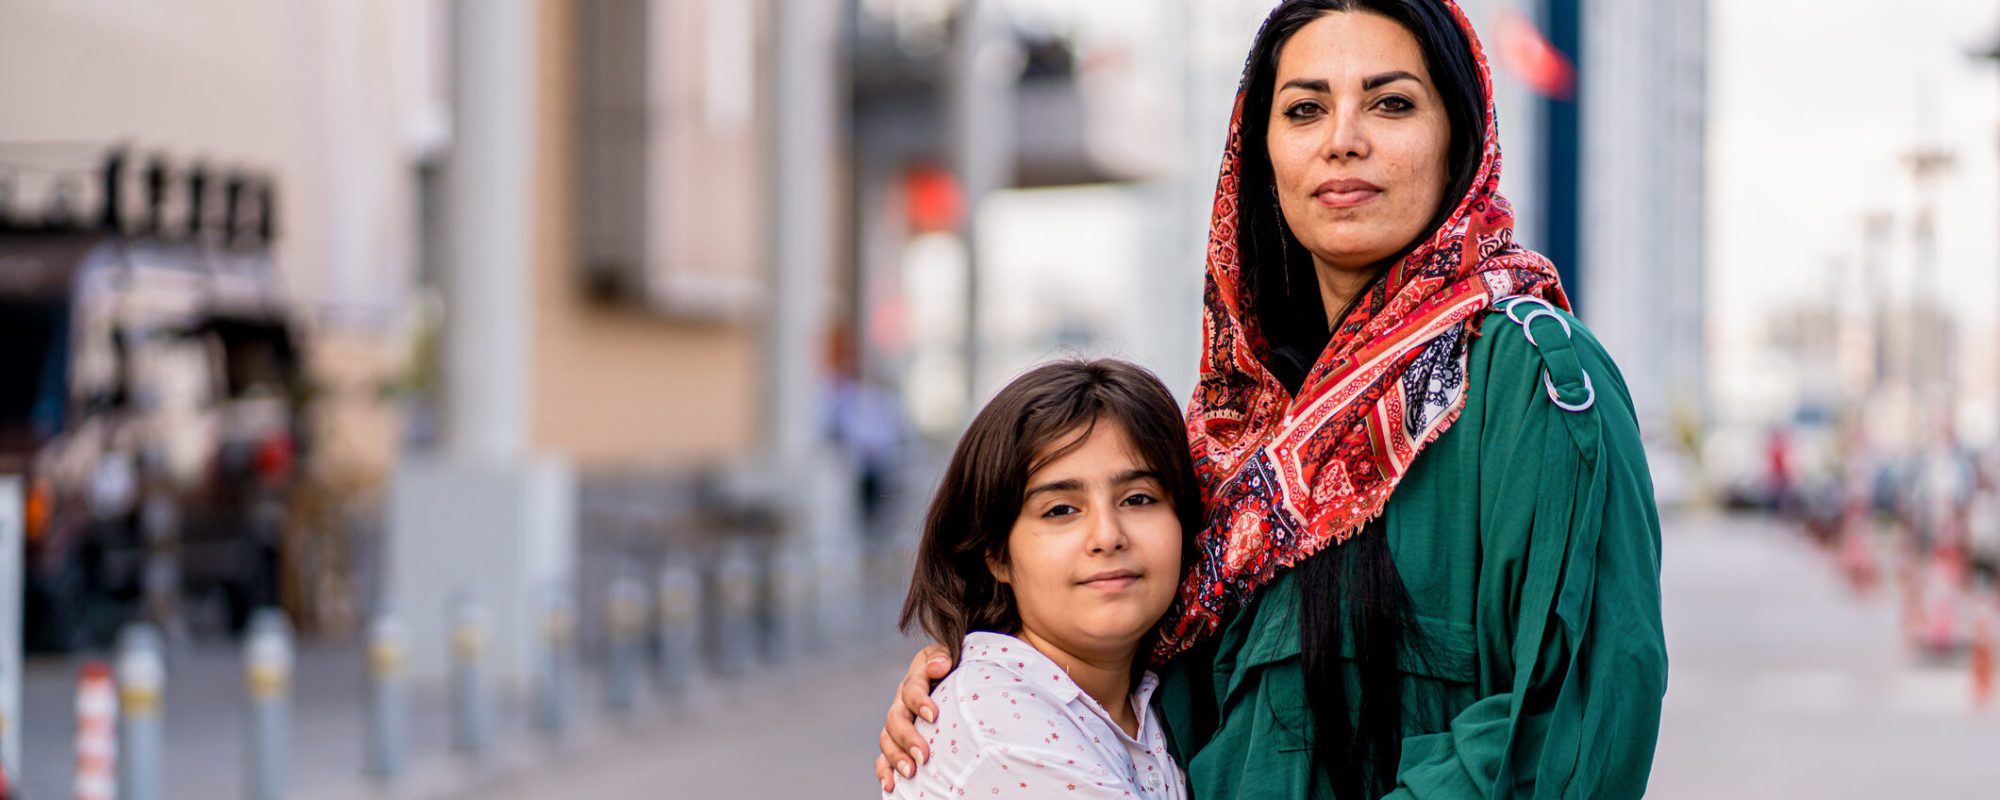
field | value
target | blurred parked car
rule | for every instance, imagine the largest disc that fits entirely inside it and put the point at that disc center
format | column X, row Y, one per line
column 151, row 398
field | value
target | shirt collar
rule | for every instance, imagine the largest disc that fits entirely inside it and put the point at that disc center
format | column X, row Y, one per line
column 1031, row 665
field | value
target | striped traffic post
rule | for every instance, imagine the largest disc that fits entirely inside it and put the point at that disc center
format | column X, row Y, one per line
column 96, row 733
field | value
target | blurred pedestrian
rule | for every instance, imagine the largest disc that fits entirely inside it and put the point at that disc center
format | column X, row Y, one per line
column 1426, row 517
column 868, row 425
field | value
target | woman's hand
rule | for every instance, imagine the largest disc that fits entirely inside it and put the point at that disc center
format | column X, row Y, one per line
column 900, row 743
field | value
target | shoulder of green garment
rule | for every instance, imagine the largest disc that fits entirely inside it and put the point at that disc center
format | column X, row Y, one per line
column 1516, row 349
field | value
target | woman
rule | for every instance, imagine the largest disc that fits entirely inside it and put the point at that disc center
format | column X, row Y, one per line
column 1055, row 542
column 1430, row 562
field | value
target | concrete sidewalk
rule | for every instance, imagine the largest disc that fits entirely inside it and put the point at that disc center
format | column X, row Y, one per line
column 803, row 733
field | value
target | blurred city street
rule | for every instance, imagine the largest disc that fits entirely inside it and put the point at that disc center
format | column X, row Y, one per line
column 1784, row 683
column 451, row 399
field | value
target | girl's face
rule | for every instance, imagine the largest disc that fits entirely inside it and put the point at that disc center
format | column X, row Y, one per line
column 1359, row 139
column 1095, row 556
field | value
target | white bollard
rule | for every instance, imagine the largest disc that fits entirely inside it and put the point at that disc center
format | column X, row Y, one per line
column 679, row 593
column 13, row 542
column 142, row 676
column 557, row 663
column 388, row 697
column 625, row 665
column 267, row 678
column 472, row 733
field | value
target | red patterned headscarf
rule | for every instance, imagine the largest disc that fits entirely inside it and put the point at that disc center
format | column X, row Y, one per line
column 1286, row 476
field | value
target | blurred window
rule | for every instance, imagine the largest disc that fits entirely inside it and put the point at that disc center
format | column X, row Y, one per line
column 32, row 354
column 672, row 179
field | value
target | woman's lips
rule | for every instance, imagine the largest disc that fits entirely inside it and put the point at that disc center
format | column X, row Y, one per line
column 1346, row 193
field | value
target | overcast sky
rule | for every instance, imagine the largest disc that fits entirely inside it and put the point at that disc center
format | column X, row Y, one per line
column 1813, row 104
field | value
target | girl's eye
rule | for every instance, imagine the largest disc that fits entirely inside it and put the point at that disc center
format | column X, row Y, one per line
column 1396, row 104
column 1303, row 110
column 1059, row 510
column 1141, row 500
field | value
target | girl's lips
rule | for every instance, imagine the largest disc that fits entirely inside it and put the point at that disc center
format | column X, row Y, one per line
column 1116, row 583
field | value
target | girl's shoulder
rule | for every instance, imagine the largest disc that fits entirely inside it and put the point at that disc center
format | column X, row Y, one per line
column 1006, row 709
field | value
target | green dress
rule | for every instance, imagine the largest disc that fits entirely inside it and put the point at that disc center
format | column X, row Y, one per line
column 1529, row 542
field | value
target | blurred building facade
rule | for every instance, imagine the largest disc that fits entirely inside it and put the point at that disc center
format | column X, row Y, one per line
column 1608, row 176
column 348, row 107
column 716, row 209
column 1643, row 254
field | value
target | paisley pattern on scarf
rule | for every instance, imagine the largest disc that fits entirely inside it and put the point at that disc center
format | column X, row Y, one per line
column 1287, row 476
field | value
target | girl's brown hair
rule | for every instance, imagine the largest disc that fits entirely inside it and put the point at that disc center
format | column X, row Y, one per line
column 953, row 592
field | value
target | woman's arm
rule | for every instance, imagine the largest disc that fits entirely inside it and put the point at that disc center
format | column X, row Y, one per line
column 1581, row 713
column 900, row 743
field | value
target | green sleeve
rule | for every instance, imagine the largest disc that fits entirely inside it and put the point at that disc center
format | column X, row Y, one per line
column 1570, row 588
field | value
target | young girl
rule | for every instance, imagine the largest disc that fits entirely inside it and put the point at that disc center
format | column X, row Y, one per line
column 1055, row 543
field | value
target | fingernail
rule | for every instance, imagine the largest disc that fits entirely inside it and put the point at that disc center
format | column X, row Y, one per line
column 930, row 714
column 916, row 754
column 940, row 660
column 905, row 768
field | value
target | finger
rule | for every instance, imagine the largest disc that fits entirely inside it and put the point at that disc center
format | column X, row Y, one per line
column 890, row 750
column 937, row 661
column 904, row 739
column 913, row 697
column 883, row 775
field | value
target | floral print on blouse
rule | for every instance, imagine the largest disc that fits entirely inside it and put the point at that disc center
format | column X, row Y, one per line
column 1011, row 723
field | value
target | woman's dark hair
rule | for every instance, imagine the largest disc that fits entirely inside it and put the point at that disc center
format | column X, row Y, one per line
column 1031, row 422
column 1278, row 270
column 1351, row 598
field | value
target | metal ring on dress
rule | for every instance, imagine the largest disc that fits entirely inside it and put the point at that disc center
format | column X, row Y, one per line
column 1542, row 312
column 1525, row 298
column 1589, row 399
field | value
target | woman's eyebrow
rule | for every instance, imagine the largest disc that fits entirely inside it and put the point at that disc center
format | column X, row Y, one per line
column 1368, row 84
column 1373, row 81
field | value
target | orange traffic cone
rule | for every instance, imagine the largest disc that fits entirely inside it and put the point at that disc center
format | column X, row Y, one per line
column 96, row 734
column 1857, row 555
column 1948, row 587
column 1910, row 580
column 1982, row 662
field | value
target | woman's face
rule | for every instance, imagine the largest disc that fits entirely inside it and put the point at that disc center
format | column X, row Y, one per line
column 1359, row 139
column 1095, row 556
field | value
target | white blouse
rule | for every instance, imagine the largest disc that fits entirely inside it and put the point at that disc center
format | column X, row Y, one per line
column 1012, row 724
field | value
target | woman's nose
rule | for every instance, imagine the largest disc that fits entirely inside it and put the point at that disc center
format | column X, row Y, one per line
column 1346, row 138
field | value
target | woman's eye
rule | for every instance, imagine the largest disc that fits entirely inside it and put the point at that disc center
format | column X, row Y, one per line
column 1060, row 510
column 1302, row 110
column 1396, row 104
